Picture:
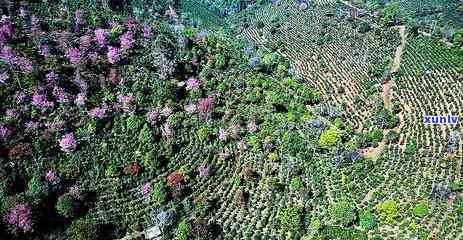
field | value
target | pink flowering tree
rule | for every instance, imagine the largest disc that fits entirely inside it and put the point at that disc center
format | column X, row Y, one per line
column 113, row 55
column 52, row 177
column 205, row 107
column 68, row 143
column 19, row 219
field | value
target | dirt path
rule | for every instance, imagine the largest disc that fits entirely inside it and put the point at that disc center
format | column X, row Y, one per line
column 386, row 91
column 399, row 50
column 386, row 94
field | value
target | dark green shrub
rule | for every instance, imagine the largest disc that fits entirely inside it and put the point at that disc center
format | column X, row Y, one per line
column 364, row 27
column 376, row 136
column 82, row 229
column 343, row 212
column 420, row 210
column 367, row 220
column 389, row 212
column 183, row 230
column 329, row 138
column 159, row 193
column 290, row 219
column 67, row 206
column 410, row 148
column 36, row 189
column 296, row 183
column 392, row 137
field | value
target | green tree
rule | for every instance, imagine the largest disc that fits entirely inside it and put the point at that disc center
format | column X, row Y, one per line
column 367, row 220
column 420, row 210
column 343, row 212
column 296, row 183
column 290, row 219
column 392, row 137
column 364, row 27
column 67, row 206
column 329, row 138
column 376, row 135
column 183, row 230
column 410, row 148
column 459, row 207
column 460, row 8
column 159, row 193
column 390, row 12
column 389, row 212
column 457, row 38
column 82, row 229
column 36, row 189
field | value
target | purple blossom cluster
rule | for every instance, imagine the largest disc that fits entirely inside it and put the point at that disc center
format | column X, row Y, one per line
column 152, row 117
column 85, row 42
column 201, row 37
column 31, row 126
column 167, row 131
column 101, row 36
column 190, row 108
column 21, row 97
column 205, row 107
column 242, row 145
column 24, row 64
column 44, row 50
column 54, row 127
column 127, row 103
column 223, row 134
column 79, row 15
column 113, row 76
column 81, row 99
column 19, row 218
column 51, row 78
column 131, row 24
column 192, row 83
column 7, row 55
column 68, row 143
column 93, row 57
column 252, row 126
column 64, row 40
column 35, row 26
column 79, row 19
column 126, row 41
column 166, row 111
column 12, row 114
column 6, row 28
column 146, row 190
column 80, row 83
column 5, row 132
column 204, row 171
column 113, row 55
column 52, row 178
column 40, row 101
column 147, row 32
column 22, row 12
column 60, row 94
column 74, row 56
column 99, row 112
column 3, row 77
column 75, row 192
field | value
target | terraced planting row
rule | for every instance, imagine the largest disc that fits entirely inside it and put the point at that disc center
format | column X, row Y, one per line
column 440, row 17
column 200, row 15
column 422, row 165
column 326, row 51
